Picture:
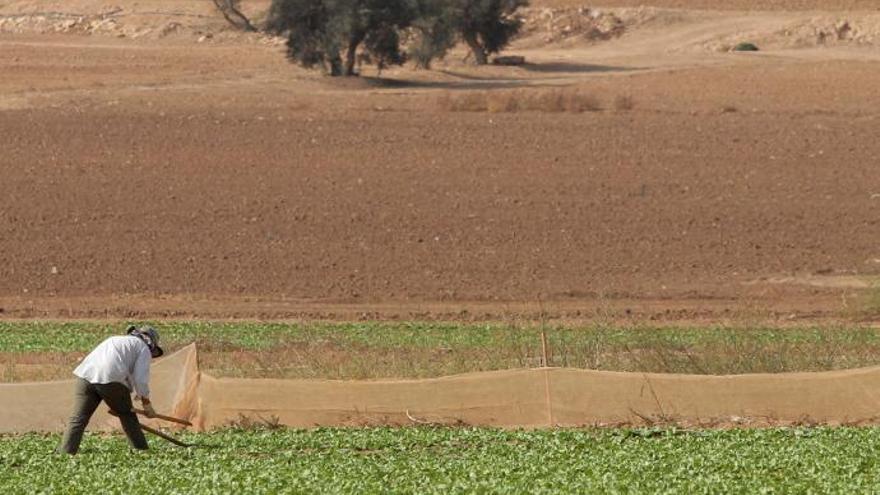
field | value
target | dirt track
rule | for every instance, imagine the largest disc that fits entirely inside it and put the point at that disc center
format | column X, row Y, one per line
column 780, row 5
column 170, row 170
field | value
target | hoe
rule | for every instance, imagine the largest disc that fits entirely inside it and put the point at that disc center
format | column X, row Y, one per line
column 160, row 434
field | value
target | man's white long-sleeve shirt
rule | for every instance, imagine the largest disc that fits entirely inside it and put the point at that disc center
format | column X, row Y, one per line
column 123, row 359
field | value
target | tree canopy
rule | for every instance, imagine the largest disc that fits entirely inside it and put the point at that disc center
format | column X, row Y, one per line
column 338, row 34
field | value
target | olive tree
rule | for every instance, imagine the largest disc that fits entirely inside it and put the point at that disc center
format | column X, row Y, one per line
column 336, row 34
column 487, row 26
column 330, row 33
column 434, row 31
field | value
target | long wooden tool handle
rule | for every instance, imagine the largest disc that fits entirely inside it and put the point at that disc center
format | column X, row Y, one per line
column 156, row 432
column 164, row 436
column 166, row 418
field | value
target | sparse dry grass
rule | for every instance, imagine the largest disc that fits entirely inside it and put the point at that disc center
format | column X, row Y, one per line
column 334, row 361
column 37, row 366
column 870, row 303
column 470, row 101
column 555, row 100
column 624, row 103
column 418, row 350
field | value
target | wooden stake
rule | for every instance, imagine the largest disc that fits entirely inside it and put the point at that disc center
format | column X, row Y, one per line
column 544, row 348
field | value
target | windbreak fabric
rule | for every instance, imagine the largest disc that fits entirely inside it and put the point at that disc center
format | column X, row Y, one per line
column 513, row 398
column 46, row 406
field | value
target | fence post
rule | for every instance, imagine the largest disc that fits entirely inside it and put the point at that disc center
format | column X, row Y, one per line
column 544, row 360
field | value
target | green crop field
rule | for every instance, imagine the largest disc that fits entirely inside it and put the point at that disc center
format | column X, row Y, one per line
column 456, row 460
column 49, row 350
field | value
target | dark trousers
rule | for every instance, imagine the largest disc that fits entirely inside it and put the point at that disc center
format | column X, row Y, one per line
column 87, row 398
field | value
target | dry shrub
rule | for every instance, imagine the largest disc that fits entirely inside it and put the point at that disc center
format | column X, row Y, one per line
column 578, row 101
column 561, row 100
column 504, row 101
column 624, row 103
column 255, row 423
column 463, row 102
column 548, row 101
column 556, row 101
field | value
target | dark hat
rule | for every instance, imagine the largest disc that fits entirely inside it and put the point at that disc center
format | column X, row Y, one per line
column 150, row 336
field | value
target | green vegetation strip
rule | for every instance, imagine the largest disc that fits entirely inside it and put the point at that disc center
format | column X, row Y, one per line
column 446, row 460
column 415, row 349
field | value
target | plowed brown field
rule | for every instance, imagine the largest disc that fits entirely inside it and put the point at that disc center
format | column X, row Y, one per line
column 171, row 178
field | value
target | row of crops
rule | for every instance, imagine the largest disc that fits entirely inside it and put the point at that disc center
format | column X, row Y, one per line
column 456, row 460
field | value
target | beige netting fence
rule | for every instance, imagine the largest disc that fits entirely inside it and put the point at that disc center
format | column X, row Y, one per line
column 526, row 397
column 45, row 406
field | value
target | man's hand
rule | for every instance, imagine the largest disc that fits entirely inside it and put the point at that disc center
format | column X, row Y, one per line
column 148, row 408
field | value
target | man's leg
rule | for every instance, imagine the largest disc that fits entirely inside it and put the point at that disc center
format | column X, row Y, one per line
column 118, row 397
column 86, row 400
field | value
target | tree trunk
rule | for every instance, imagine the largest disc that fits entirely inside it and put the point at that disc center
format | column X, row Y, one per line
column 335, row 65
column 479, row 53
column 234, row 16
column 351, row 54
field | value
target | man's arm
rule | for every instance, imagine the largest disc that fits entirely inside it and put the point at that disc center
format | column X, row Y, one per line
column 141, row 381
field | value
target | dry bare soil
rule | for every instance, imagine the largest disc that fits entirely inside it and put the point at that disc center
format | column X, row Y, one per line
column 193, row 171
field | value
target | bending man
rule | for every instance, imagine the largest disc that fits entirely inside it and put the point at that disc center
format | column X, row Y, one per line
column 117, row 367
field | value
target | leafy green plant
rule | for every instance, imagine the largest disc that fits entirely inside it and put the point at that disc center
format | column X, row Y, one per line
column 456, row 460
